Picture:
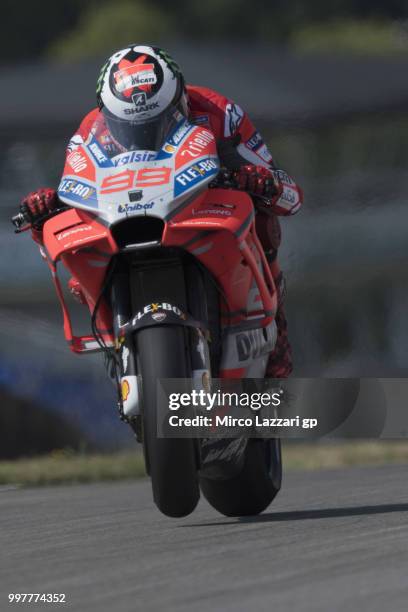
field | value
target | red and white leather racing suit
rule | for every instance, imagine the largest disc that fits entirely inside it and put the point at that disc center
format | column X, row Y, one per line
column 238, row 144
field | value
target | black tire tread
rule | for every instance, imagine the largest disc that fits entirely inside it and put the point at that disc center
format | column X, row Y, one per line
column 162, row 353
column 249, row 492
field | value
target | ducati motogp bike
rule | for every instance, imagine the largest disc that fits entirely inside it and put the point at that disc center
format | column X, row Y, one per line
column 178, row 287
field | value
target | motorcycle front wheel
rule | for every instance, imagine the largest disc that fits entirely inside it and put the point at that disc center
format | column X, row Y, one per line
column 163, row 352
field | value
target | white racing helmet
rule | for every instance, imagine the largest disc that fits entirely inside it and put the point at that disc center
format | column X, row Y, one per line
column 141, row 94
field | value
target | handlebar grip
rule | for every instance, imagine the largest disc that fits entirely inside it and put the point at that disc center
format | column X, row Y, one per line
column 23, row 217
column 225, row 178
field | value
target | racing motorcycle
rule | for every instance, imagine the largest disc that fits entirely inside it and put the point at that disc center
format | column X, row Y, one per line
column 178, row 287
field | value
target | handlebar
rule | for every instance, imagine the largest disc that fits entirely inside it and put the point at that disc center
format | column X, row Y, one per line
column 23, row 222
column 226, row 179
column 18, row 220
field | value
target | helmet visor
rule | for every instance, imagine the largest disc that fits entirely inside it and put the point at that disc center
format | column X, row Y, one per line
column 148, row 135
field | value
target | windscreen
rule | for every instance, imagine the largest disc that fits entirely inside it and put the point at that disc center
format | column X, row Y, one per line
column 129, row 135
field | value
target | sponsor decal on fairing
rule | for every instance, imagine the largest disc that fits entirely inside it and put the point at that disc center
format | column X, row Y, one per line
column 126, row 208
column 180, row 132
column 212, row 211
column 194, row 174
column 77, row 161
column 133, row 156
column 197, row 144
column 75, row 230
column 167, row 151
column 78, row 192
column 98, row 154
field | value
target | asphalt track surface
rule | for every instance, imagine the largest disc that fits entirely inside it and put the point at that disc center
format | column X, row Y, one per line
column 333, row 540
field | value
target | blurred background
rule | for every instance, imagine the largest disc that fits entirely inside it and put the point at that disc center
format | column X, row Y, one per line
column 326, row 84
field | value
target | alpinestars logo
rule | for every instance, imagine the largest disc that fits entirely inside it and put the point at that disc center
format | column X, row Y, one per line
column 233, row 117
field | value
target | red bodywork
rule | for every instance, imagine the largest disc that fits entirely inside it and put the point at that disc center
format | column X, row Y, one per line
column 217, row 228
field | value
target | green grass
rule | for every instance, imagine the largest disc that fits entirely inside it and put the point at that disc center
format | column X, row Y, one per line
column 321, row 456
column 64, row 467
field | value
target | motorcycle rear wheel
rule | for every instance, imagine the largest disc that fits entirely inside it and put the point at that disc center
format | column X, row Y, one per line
column 252, row 490
column 172, row 463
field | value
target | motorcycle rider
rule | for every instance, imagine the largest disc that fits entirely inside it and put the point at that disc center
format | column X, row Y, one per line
column 141, row 92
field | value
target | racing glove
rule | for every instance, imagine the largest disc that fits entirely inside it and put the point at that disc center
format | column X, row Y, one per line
column 259, row 181
column 39, row 203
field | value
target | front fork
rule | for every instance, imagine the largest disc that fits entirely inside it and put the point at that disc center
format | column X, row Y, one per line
column 129, row 383
column 129, row 388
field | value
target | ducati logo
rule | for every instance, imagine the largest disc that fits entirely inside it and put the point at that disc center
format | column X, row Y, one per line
column 139, row 99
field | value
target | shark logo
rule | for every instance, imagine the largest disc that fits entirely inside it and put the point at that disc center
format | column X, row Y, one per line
column 139, row 99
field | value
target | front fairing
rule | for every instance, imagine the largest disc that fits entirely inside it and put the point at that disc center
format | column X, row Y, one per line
column 136, row 183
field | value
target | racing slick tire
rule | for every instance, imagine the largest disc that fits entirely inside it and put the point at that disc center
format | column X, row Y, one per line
column 250, row 491
column 172, row 463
